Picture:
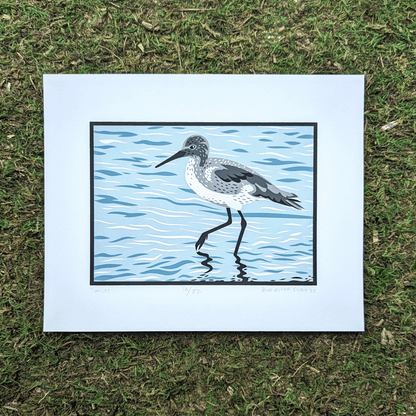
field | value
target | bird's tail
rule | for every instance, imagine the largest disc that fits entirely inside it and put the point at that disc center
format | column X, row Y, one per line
column 292, row 201
column 277, row 195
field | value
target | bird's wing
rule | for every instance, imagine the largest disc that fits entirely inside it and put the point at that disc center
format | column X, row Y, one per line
column 261, row 186
column 229, row 173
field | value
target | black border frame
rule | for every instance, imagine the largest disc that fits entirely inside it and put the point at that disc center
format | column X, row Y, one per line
column 203, row 283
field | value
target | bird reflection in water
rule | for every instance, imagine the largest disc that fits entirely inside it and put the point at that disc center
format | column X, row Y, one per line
column 241, row 267
column 205, row 263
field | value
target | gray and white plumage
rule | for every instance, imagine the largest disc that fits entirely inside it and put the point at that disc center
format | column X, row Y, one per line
column 226, row 183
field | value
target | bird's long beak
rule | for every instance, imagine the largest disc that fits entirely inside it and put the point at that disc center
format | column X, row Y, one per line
column 177, row 155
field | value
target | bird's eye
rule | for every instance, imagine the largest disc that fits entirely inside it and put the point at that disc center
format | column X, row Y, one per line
column 192, row 147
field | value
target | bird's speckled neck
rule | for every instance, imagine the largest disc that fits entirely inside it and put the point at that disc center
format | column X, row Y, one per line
column 200, row 159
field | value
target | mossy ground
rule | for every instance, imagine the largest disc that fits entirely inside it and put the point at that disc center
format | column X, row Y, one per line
column 371, row 373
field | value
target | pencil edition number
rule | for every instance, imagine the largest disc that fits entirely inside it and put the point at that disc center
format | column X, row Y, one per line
column 191, row 291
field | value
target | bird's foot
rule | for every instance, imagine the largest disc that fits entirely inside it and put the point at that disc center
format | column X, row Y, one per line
column 201, row 241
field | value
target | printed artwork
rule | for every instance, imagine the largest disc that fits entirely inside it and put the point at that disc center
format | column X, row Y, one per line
column 203, row 203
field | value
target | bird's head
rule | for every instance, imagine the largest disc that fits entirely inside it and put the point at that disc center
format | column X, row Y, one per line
column 194, row 145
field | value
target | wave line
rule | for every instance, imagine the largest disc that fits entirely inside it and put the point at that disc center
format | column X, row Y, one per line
column 164, row 223
column 150, row 180
column 139, row 242
column 171, row 236
column 108, row 141
column 260, row 242
column 272, row 208
column 235, row 141
column 275, row 154
column 290, row 239
column 191, row 199
column 222, row 135
column 107, row 189
column 166, row 192
column 261, row 274
column 261, row 137
column 155, row 134
column 149, row 226
column 125, row 227
column 164, row 215
column 174, row 212
column 224, row 154
column 149, row 193
column 160, row 249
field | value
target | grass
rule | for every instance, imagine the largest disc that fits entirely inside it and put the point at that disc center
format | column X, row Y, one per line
column 371, row 373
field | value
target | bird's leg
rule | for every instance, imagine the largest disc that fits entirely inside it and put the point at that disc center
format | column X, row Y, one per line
column 240, row 237
column 205, row 234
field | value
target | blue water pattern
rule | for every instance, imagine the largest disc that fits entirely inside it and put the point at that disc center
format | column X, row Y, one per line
column 147, row 220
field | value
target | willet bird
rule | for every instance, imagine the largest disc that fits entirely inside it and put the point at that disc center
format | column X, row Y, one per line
column 226, row 183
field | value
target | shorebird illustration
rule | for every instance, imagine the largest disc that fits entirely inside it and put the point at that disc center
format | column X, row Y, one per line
column 226, row 183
